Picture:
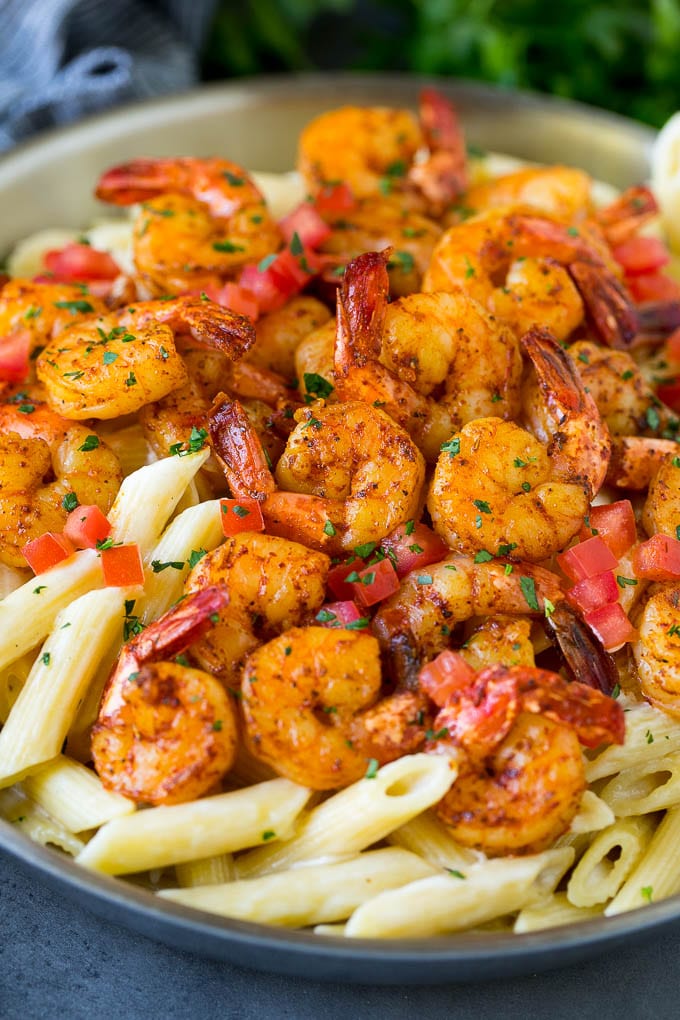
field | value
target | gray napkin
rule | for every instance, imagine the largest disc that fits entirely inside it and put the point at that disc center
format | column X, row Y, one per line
column 62, row 59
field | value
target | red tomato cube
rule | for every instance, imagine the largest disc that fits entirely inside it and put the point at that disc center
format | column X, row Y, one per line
column 375, row 583
column 267, row 290
column 614, row 523
column 653, row 287
column 122, row 566
column 306, row 222
column 445, row 676
column 238, row 299
column 641, row 255
column 241, row 515
column 81, row 262
column 15, row 351
column 657, row 559
column 87, row 525
column 340, row 614
column 594, row 592
column 586, row 559
column 336, row 582
column 334, row 199
column 411, row 546
column 612, row 626
column 46, row 551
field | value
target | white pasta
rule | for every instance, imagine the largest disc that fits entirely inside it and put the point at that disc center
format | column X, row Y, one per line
column 608, row 861
column 17, row 808
column 427, row 836
column 657, row 874
column 557, row 911
column 314, row 894
column 74, row 795
column 649, row 734
column 206, row 871
column 649, row 786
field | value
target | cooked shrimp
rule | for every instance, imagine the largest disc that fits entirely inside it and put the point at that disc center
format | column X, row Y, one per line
column 403, row 353
column 314, row 357
column 279, row 334
column 504, row 640
column 201, row 220
column 166, row 733
column 42, row 310
column 348, row 474
column 442, row 176
column 108, row 365
column 496, row 485
column 274, row 584
column 36, row 474
column 484, row 255
column 301, row 692
column 657, row 653
column 416, row 623
column 661, row 512
column 521, row 778
column 636, row 459
column 560, row 192
column 623, row 217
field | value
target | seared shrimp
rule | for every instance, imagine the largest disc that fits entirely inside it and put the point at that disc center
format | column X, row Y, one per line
column 108, row 365
column 274, row 584
column 402, row 354
column 348, row 474
column 657, row 653
column 416, row 623
column 661, row 512
column 301, row 692
column 279, row 334
column 488, row 256
column 166, row 733
column 521, row 777
column 560, row 192
column 201, row 220
column 31, row 502
column 496, row 485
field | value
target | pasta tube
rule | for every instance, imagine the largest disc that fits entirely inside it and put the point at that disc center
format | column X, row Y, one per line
column 74, row 795
column 608, row 861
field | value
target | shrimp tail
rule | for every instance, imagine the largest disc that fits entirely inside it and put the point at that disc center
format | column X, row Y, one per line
column 443, row 176
column 207, row 323
column 623, row 217
column 362, row 303
column 609, row 304
column 239, row 450
column 636, row 459
column 585, row 657
column 132, row 182
column 658, row 318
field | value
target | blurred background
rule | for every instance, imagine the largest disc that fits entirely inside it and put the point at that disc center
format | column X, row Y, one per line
column 62, row 59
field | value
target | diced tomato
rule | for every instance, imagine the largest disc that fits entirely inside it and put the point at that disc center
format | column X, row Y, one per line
column 672, row 348
column 46, row 551
column 80, row 262
column 669, row 394
column 612, row 626
column 339, row 614
column 336, row 578
column 122, row 566
column 653, row 287
column 614, row 523
column 375, row 583
column 306, row 222
column 294, row 270
column 446, row 675
column 411, row 546
column 594, row 592
column 241, row 515
column 15, row 351
column 265, row 287
column 657, row 559
column 586, row 559
column 641, row 255
column 87, row 525
column 237, row 299
column 333, row 199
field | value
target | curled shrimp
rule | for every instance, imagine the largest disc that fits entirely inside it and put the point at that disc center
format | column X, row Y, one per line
column 661, row 510
column 165, row 733
column 348, row 474
column 521, row 778
column 496, row 485
column 274, row 584
column 39, row 470
column 108, row 365
column 301, row 692
column 279, row 334
column 416, row 623
column 657, row 652
column 201, row 220
column 529, row 270
column 403, row 355
column 560, row 192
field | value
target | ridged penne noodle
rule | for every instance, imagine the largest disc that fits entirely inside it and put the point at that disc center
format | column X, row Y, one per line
column 74, row 795
column 200, row 828
column 593, row 814
column 131, row 448
column 554, row 913
column 444, row 903
column 11, row 579
column 358, row 816
column 148, row 497
column 206, row 871
column 195, row 530
column 649, row 734
column 648, row 786
column 12, row 679
column 314, row 894
column 608, row 861
column 427, row 836
column 46, row 707
column 657, row 874
column 28, row 614
column 17, row 808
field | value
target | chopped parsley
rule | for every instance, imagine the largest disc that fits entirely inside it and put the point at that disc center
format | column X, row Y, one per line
column 69, row 502
column 317, row 386
column 75, row 307
column 528, row 586
column 157, row 566
column 451, row 446
column 227, row 246
column 90, row 443
column 372, row 770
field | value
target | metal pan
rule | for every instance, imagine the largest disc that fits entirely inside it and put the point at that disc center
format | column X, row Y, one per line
column 48, row 182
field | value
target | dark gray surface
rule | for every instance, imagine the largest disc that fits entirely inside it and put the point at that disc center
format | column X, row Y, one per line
column 56, row 960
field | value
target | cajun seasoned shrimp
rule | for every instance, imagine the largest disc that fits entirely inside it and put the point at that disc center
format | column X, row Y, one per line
column 488, row 256
column 657, row 652
column 274, row 584
column 661, row 511
column 403, row 353
column 503, row 640
column 301, row 692
column 279, row 334
column 521, row 776
column 416, row 623
column 201, row 220
column 314, row 357
column 108, row 365
column 348, row 474
column 165, row 733
column 560, row 192
column 496, row 485
column 36, row 474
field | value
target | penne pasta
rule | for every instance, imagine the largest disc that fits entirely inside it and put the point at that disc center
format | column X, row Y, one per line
column 131, row 448
column 206, row 871
column 648, row 786
column 74, row 795
column 17, row 808
column 314, row 894
column 608, row 861
column 649, row 734
column 657, row 873
column 358, row 816
column 201, row 828
column 427, row 836
column 554, row 913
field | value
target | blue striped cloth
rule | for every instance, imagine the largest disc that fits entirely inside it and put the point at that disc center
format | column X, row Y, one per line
column 62, row 59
